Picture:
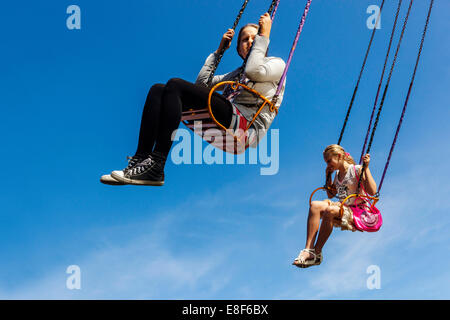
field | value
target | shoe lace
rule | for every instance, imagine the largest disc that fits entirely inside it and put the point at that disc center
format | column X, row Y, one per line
column 142, row 166
column 132, row 161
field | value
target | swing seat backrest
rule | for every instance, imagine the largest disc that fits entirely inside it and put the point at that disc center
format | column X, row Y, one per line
column 213, row 132
column 201, row 123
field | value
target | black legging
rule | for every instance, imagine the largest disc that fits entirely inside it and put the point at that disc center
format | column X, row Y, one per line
column 162, row 112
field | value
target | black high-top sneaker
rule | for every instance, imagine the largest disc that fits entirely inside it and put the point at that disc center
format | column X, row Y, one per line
column 149, row 172
column 132, row 161
column 107, row 179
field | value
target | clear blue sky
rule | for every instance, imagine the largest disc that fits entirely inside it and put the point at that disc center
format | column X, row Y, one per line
column 71, row 103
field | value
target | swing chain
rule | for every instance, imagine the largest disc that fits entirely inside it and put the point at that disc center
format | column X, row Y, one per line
column 359, row 78
column 381, row 80
column 407, row 96
column 222, row 51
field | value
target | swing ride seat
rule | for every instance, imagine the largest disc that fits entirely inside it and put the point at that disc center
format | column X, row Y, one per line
column 211, row 130
column 373, row 200
column 370, row 199
column 341, row 212
column 227, row 140
column 215, row 133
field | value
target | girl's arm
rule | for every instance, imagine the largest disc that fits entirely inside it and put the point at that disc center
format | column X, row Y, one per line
column 258, row 67
column 330, row 188
column 206, row 70
column 368, row 181
column 332, row 192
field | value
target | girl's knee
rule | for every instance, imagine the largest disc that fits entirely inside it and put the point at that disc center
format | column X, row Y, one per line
column 174, row 83
column 318, row 205
column 156, row 88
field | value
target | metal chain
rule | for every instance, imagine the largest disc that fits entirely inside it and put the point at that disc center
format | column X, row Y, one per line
column 224, row 48
column 407, row 97
column 381, row 81
column 369, row 146
column 359, row 78
column 272, row 10
column 291, row 53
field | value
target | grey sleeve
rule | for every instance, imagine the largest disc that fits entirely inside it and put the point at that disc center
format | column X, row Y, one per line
column 262, row 69
column 206, row 70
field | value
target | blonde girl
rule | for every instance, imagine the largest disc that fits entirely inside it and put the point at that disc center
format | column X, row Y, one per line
column 345, row 183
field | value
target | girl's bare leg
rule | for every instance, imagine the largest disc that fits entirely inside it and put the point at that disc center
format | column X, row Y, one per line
column 326, row 227
column 315, row 212
column 313, row 222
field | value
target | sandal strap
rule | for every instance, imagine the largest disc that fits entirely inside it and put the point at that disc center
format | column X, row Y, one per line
column 312, row 251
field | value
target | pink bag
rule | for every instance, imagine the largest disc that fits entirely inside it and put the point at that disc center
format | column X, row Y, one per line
column 366, row 217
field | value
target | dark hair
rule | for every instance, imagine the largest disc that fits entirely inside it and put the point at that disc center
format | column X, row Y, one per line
column 254, row 25
column 240, row 35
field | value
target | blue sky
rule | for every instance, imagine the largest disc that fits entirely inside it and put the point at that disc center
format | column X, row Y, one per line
column 71, row 103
